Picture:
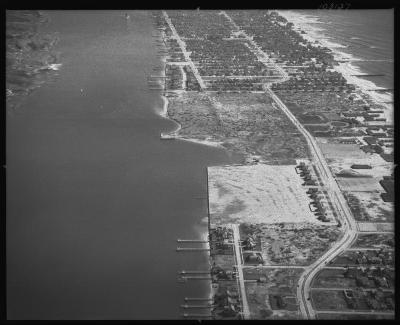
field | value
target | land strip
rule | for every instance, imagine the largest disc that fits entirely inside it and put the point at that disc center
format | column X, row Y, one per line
column 230, row 110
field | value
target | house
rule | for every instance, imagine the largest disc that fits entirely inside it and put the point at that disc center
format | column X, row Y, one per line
column 349, row 141
column 370, row 140
column 254, row 258
column 249, row 243
column 262, row 279
column 381, row 282
column 362, row 281
column 373, row 304
column 387, row 157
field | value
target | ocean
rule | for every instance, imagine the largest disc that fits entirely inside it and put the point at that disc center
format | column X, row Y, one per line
column 95, row 200
column 365, row 37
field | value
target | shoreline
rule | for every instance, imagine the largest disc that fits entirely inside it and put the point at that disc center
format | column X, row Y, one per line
column 164, row 113
column 204, row 234
column 236, row 198
column 345, row 68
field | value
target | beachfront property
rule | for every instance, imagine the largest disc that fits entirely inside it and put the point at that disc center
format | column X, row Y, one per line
column 315, row 150
column 298, row 164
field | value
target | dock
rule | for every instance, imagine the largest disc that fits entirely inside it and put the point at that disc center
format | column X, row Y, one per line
column 191, row 241
column 196, row 306
column 198, row 299
column 196, row 315
column 191, row 249
column 196, row 278
column 194, row 272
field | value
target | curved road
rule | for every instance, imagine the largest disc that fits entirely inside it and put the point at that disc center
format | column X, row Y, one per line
column 341, row 207
column 333, row 190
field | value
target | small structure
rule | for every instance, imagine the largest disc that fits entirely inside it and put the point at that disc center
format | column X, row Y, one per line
column 360, row 166
column 254, row 258
column 249, row 243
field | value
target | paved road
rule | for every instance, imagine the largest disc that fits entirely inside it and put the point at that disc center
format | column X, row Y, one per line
column 274, row 266
column 260, row 54
column 239, row 265
column 356, row 288
column 359, row 312
column 182, row 45
column 341, row 207
column 334, row 193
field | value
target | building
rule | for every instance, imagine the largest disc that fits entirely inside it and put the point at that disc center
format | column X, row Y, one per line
column 359, row 166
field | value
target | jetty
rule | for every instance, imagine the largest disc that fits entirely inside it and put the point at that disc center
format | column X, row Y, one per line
column 367, row 75
column 164, row 136
column 381, row 89
column 191, row 241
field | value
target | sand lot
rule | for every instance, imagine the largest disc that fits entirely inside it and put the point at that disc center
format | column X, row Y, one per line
column 360, row 184
column 342, row 156
column 341, row 151
column 374, row 226
column 257, row 194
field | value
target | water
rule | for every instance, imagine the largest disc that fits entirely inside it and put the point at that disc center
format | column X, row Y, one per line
column 366, row 36
column 95, row 201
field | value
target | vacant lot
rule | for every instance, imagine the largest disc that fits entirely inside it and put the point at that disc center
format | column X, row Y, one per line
column 277, row 284
column 292, row 243
column 369, row 206
column 257, row 194
column 339, row 151
column 359, row 184
column 278, row 281
column 245, row 124
column 328, row 300
column 339, row 316
column 373, row 227
column 333, row 279
column 374, row 240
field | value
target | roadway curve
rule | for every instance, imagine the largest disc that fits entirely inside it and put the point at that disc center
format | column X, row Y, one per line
column 334, row 192
column 340, row 205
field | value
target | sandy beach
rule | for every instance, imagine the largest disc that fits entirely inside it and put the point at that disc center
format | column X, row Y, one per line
column 307, row 24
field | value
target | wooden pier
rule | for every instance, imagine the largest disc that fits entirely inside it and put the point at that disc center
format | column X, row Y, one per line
column 198, row 299
column 194, row 272
column 156, row 77
column 191, row 241
column 191, row 249
column 196, row 315
column 196, row 306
